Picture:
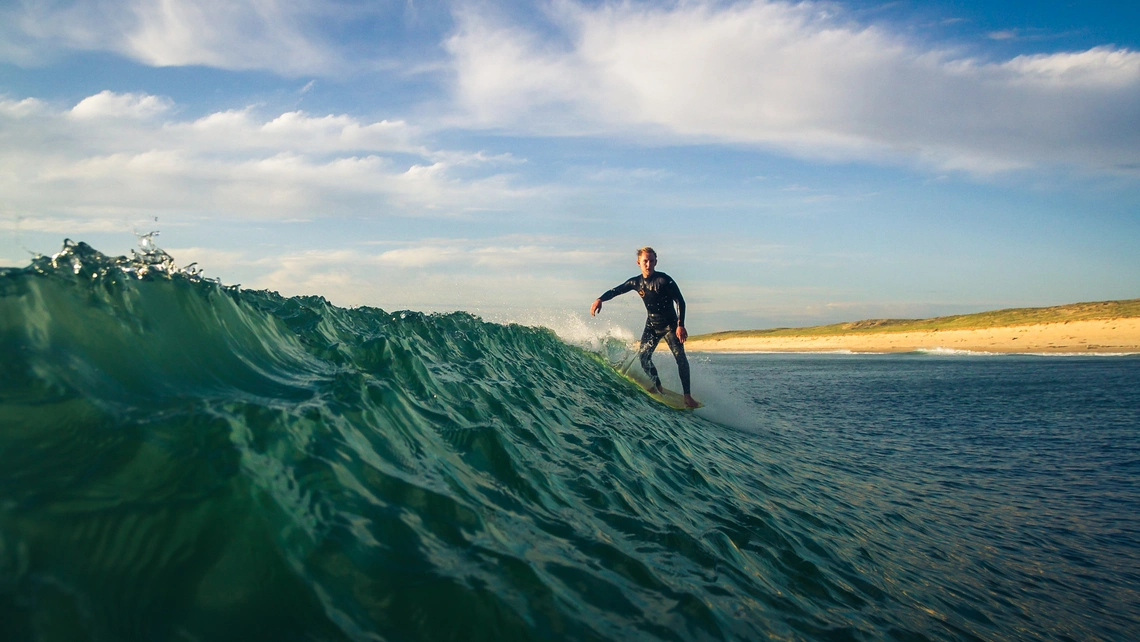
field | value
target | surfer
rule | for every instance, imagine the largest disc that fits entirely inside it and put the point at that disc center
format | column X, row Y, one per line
column 659, row 292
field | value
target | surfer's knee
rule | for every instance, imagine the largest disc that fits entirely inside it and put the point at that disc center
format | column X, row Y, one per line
column 647, row 361
column 679, row 355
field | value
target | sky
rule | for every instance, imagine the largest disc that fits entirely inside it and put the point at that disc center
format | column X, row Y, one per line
column 792, row 163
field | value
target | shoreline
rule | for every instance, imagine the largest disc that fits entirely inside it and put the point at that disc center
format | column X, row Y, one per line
column 1100, row 336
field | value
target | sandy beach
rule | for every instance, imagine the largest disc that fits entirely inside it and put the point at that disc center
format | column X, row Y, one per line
column 1096, row 336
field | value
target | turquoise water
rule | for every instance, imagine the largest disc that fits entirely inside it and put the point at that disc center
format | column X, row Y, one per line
column 185, row 461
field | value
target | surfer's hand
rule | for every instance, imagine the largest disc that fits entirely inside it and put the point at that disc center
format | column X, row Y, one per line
column 596, row 308
column 682, row 333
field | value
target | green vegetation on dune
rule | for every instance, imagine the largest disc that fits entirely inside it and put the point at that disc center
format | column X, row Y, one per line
column 978, row 321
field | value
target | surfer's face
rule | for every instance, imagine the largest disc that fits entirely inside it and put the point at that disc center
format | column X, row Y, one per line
column 647, row 262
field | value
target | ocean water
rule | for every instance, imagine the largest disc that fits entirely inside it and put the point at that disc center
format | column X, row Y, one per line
column 185, row 461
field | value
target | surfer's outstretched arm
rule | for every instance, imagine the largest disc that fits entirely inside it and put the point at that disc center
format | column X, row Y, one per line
column 628, row 286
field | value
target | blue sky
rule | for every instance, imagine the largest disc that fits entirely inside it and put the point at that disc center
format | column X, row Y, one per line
column 792, row 163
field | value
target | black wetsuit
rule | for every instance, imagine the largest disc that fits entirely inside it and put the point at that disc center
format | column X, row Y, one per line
column 658, row 291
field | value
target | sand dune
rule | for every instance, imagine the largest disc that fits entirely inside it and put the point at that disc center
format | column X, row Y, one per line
column 1095, row 336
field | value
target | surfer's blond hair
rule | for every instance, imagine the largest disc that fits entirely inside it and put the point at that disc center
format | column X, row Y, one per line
column 647, row 250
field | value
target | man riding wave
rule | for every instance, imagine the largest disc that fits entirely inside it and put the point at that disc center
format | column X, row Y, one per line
column 659, row 292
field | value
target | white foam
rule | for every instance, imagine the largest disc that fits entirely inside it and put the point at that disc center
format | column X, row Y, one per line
column 1082, row 354
column 955, row 352
column 721, row 405
column 980, row 353
column 939, row 351
column 844, row 352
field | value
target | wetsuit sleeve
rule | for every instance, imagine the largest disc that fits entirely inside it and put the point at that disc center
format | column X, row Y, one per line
column 680, row 302
column 628, row 286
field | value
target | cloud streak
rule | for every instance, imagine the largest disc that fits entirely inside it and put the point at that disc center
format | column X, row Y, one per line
column 263, row 34
column 435, row 274
column 796, row 78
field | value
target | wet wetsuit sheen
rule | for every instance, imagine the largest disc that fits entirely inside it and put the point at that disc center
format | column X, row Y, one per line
column 658, row 291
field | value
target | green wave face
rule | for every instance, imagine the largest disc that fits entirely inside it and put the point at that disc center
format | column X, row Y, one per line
column 183, row 460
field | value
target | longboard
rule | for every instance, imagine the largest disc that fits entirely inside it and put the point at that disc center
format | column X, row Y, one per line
column 674, row 400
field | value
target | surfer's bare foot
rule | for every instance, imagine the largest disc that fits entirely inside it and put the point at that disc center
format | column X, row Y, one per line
column 654, row 390
column 690, row 402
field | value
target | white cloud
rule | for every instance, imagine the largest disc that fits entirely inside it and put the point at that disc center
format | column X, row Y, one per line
column 495, row 256
column 526, row 256
column 223, row 33
column 627, row 175
column 111, row 155
column 64, row 225
column 1007, row 34
column 241, row 129
column 107, row 104
column 1102, row 67
column 425, row 277
column 418, row 257
column 794, row 77
column 254, row 34
column 211, row 260
column 515, row 274
column 20, row 108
